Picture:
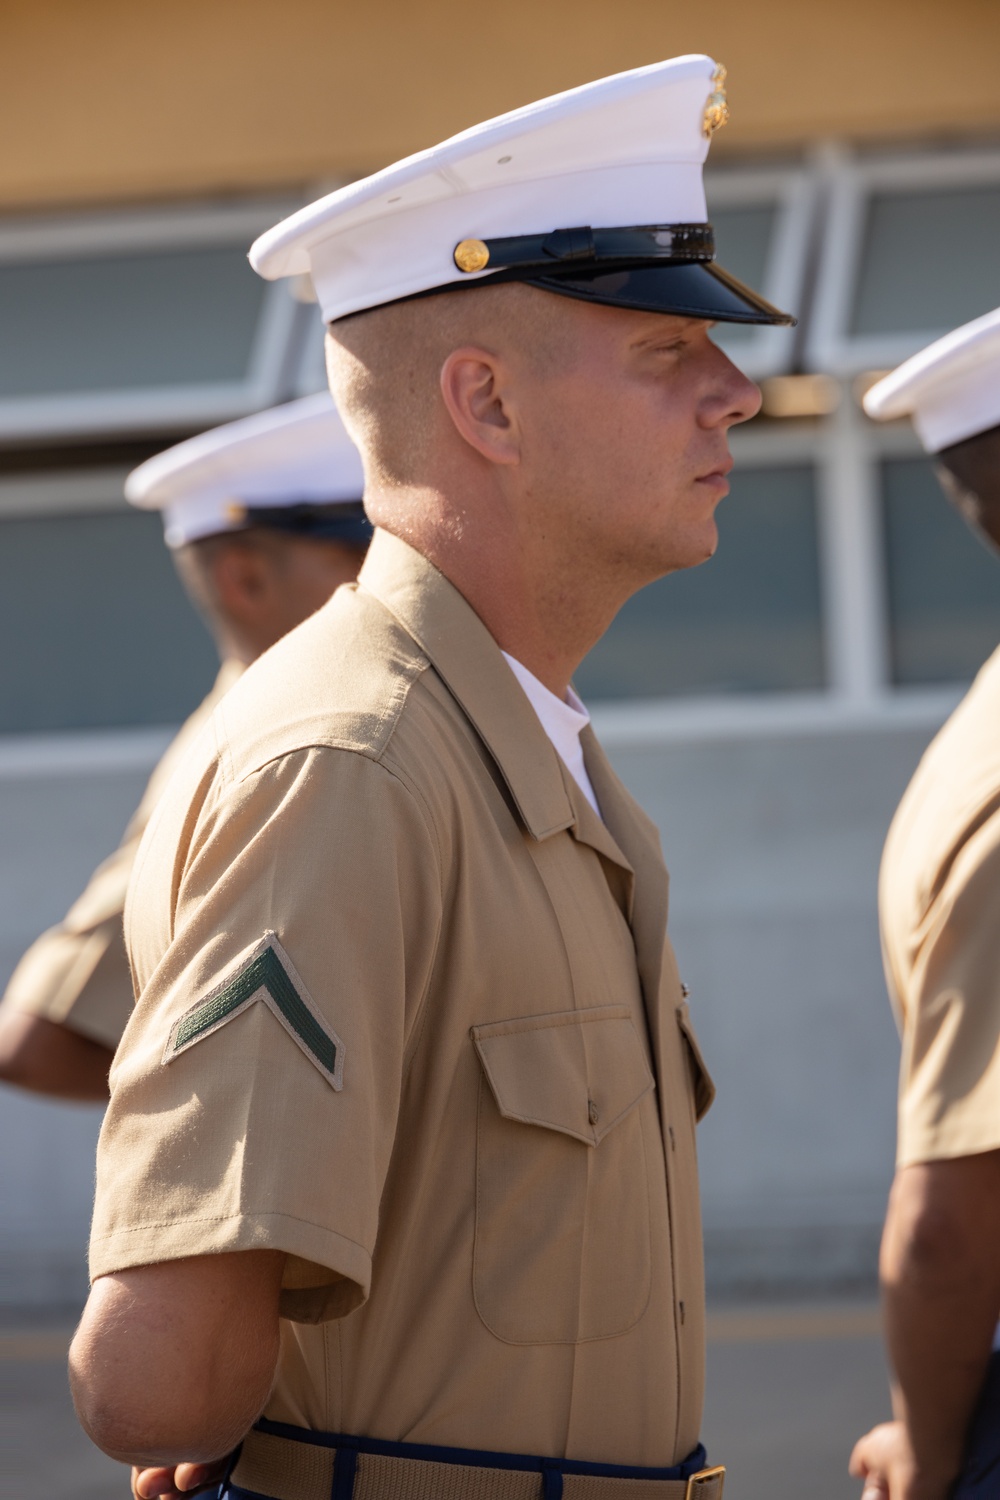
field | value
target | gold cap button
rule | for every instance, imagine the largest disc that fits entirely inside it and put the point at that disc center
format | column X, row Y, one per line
column 471, row 255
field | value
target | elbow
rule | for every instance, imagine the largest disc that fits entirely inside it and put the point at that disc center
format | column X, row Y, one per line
column 173, row 1362
column 48, row 1058
column 14, row 1055
column 188, row 1424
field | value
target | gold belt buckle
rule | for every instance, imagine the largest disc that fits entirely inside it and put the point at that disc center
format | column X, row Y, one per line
column 703, row 1478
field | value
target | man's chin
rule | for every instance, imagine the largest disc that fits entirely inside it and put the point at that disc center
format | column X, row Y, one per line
column 698, row 550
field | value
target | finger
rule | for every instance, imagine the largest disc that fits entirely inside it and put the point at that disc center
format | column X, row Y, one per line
column 151, row 1484
column 165, row 1484
column 189, row 1478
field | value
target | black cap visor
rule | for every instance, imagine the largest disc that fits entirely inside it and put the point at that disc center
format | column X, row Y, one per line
column 696, row 290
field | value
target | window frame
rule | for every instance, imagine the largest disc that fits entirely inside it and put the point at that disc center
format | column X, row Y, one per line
column 846, row 449
column 64, row 492
column 794, row 191
column 170, row 407
column 851, row 182
column 310, row 370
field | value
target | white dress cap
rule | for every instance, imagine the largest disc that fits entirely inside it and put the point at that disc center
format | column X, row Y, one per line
column 951, row 389
column 624, row 154
column 293, row 467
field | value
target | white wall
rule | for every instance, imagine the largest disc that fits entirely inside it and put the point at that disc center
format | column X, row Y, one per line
column 772, row 840
column 54, row 827
column 773, row 846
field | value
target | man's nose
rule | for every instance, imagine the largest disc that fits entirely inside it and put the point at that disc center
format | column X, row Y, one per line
column 736, row 398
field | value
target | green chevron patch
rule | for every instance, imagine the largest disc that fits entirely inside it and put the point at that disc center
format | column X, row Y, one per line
column 266, row 974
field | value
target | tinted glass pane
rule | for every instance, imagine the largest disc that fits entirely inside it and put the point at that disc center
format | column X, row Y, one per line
column 313, row 364
column 743, row 246
column 747, row 621
column 944, row 585
column 95, row 626
column 912, row 277
column 114, row 322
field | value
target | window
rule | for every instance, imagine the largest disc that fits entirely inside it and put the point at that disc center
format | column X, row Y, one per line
column 748, row 622
column 843, row 582
column 96, row 627
column 311, row 374
column 909, row 253
column 943, row 583
column 139, row 321
column 763, row 228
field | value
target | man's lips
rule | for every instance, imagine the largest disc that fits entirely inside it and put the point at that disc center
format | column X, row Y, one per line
column 717, row 478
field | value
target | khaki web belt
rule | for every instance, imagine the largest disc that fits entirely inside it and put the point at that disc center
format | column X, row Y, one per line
column 280, row 1468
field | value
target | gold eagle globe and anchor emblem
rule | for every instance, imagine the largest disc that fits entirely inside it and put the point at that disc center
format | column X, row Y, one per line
column 716, row 110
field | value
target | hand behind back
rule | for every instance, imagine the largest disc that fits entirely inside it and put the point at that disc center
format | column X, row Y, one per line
column 179, row 1482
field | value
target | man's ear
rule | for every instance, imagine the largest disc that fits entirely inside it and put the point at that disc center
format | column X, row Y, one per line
column 475, row 390
column 243, row 580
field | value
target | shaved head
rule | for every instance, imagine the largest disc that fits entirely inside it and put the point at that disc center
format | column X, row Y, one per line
column 384, row 367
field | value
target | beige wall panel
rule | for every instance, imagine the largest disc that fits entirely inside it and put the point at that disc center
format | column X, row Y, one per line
column 114, row 99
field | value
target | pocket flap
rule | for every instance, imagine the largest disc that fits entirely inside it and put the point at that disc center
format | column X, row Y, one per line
column 579, row 1071
column 701, row 1078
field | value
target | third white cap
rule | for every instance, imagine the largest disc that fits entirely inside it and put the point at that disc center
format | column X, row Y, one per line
column 951, row 389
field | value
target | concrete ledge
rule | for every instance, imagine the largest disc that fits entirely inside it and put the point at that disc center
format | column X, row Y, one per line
column 32, row 1280
column 754, row 1264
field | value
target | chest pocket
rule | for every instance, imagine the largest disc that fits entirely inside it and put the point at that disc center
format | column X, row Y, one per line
column 562, row 1252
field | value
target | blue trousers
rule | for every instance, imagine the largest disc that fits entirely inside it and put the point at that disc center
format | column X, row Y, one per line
column 980, row 1477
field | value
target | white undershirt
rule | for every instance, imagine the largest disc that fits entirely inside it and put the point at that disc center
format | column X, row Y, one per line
column 563, row 722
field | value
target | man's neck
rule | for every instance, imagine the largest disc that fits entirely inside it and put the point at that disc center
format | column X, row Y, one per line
column 532, row 605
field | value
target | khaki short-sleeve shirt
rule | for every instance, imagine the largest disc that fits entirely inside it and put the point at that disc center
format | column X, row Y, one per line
column 77, row 973
column 939, row 904
column 408, row 1013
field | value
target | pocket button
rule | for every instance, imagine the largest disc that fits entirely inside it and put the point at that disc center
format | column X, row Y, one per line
column 593, row 1113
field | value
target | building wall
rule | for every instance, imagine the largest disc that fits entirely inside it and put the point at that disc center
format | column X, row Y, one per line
column 54, row 827
column 112, row 100
column 773, row 843
column 772, row 837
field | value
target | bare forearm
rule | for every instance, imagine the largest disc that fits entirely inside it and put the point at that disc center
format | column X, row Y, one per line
column 46, row 1058
column 939, row 1356
column 941, row 1293
column 173, row 1363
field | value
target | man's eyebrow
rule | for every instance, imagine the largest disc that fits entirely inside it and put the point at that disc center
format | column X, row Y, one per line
column 658, row 331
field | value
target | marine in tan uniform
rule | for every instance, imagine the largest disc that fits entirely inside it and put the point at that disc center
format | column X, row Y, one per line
column 939, row 906
column 254, row 570
column 397, row 1187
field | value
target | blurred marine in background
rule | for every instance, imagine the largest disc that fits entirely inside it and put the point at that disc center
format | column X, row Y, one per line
column 265, row 521
column 939, row 904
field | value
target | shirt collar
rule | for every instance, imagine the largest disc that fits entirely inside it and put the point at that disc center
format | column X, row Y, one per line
column 471, row 664
column 567, row 716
